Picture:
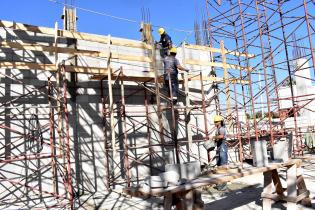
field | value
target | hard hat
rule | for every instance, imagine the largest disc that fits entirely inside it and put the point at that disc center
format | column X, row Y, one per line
column 173, row 50
column 218, row 118
column 161, row 31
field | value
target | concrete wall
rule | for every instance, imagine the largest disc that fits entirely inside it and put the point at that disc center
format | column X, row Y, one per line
column 85, row 124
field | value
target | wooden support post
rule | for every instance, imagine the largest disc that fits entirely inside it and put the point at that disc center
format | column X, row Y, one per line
column 66, row 140
column 69, row 19
column 302, row 188
column 158, row 99
column 204, row 111
column 58, row 78
column 188, row 200
column 267, row 190
column 149, row 124
column 52, row 142
column 146, row 33
column 168, row 199
column 51, row 137
column 123, row 115
column 187, row 104
column 226, row 83
column 106, row 158
column 277, row 182
column 111, row 100
column 291, row 186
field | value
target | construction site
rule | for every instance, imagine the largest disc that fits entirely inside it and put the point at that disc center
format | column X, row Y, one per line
column 86, row 121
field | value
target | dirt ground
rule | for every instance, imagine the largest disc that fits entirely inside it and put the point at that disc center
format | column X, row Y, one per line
column 243, row 193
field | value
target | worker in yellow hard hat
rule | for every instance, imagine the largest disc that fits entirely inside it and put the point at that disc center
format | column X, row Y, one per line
column 165, row 42
column 171, row 67
column 222, row 149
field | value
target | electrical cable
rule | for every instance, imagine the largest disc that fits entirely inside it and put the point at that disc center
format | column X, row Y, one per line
column 117, row 17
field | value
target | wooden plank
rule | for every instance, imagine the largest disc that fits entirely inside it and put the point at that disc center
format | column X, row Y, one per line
column 51, row 49
column 131, row 57
column 100, row 72
column 220, row 178
column 72, row 51
column 73, row 35
column 215, row 64
column 51, row 67
column 149, row 78
column 217, row 50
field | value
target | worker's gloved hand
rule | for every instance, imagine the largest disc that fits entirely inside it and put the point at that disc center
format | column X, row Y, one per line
column 187, row 70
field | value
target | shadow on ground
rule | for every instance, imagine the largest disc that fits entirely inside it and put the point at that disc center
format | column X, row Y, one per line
column 238, row 196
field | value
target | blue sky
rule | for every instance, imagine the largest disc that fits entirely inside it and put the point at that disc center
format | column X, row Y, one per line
column 174, row 14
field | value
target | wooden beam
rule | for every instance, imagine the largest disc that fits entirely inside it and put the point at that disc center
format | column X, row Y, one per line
column 150, row 78
column 52, row 49
column 217, row 50
column 99, row 72
column 67, row 50
column 215, row 179
column 73, row 35
column 51, row 67
column 215, row 64
column 277, row 182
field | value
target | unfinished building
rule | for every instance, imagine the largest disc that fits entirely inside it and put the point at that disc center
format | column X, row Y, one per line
column 83, row 114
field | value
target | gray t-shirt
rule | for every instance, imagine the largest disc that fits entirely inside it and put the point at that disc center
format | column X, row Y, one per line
column 221, row 131
column 170, row 64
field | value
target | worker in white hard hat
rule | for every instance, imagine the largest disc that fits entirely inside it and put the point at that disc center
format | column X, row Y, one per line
column 165, row 42
column 171, row 67
column 222, row 149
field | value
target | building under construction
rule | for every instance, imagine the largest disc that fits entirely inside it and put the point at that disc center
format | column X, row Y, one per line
column 85, row 114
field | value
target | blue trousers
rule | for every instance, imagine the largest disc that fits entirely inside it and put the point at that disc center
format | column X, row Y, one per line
column 222, row 155
column 174, row 85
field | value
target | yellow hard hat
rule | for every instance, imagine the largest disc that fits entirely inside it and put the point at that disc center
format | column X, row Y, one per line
column 173, row 50
column 218, row 118
column 161, row 31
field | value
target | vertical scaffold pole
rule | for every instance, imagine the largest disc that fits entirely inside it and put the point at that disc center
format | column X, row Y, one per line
column 123, row 119
column 67, row 140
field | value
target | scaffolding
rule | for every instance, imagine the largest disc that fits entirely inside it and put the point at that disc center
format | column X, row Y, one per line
column 267, row 29
column 141, row 129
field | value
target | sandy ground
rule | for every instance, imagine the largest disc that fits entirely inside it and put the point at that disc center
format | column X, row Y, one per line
column 243, row 193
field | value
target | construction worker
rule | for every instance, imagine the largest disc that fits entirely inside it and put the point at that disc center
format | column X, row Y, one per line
column 165, row 42
column 222, row 150
column 171, row 67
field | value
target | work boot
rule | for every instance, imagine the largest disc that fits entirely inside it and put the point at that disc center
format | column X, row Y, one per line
column 221, row 187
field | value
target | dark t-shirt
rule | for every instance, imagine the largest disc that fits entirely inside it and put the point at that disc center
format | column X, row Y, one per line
column 165, row 40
